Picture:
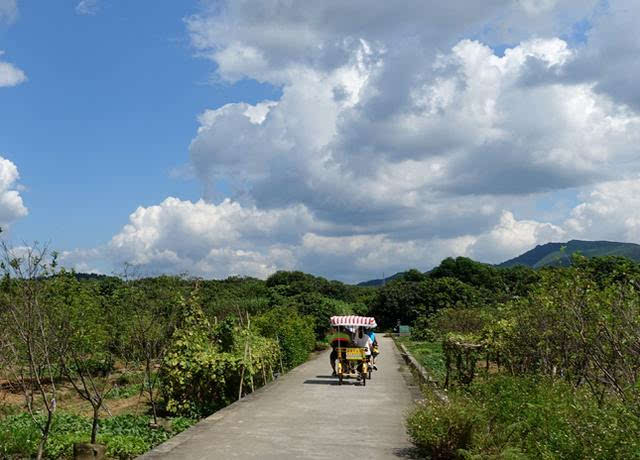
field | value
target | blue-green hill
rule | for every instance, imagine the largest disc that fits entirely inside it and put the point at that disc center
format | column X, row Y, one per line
column 555, row 254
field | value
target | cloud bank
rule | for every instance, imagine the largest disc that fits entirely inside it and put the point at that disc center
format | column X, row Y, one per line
column 402, row 136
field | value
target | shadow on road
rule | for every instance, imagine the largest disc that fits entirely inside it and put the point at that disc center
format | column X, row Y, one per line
column 320, row 382
column 326, row 377
column 331, row 382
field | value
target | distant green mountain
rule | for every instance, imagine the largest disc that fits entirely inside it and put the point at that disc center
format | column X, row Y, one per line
column 559, row 254
column 553, row 254
column 381, row 281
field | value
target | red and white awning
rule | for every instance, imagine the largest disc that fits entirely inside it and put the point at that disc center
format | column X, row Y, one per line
column 354, row 321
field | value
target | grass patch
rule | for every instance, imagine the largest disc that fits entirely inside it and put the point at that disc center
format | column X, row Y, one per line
column 429, row 354
column 125, row 391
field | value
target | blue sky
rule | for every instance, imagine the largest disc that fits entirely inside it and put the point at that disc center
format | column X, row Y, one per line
column 345, row 139
column 104, row 122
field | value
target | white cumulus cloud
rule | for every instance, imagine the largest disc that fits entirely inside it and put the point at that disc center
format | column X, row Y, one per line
column 609, row 211
column 11, row 205
column 10, row 75
column 214, row 240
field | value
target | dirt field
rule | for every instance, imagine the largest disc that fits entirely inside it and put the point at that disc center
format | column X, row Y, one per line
column 124, row 398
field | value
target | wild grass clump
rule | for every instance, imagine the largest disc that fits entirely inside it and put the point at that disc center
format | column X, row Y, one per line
column 524, row 417
column 442, row 430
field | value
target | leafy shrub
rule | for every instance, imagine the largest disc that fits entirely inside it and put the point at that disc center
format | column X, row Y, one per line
column 442, row 430
column 199, row 377
column 524, row 417
column 550, row 419
column 19, row 436
column 195, row 373
column 294, row 333
column 101, row 364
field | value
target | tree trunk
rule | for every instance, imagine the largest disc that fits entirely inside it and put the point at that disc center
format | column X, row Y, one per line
column 45, row 435
column 150, row 390
column 94, row 425
column 84, row 451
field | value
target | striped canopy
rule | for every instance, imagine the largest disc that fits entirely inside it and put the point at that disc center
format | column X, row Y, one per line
column 353, row 321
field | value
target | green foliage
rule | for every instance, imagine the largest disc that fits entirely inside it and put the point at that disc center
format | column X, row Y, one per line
column 523, row 417
column 459, row 320
column 194, row 371
column 126, row 436
column 468, row 271
column 224, row 333
column 413, row 275
column 571, row 327
column 198, row 376
column 408, row 300
column 459, row 283
column 565, row 365
column 283, row 284
column 294, row 333
column 81, row 329
column 222, row 298
column 442, row 430
column 399, row 301
column 461, row 354
column 321, row 309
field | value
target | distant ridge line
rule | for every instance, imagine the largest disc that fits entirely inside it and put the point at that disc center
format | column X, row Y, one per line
column 553, row 254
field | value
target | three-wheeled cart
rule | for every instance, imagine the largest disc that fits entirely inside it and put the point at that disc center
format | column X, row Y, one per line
column 353, row 361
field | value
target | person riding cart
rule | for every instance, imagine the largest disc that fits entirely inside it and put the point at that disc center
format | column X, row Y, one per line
column 338, row 338
column 352, row 359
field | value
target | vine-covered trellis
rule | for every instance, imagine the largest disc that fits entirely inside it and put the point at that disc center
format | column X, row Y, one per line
column 461, row 354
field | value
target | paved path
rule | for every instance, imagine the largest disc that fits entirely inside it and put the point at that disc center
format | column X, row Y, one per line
column 306, row 414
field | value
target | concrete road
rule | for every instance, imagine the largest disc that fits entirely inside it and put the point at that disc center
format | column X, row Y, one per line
column 306, row 414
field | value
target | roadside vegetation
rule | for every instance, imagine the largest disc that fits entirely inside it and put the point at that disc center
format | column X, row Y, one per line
column 130, row 361
column 535, row 364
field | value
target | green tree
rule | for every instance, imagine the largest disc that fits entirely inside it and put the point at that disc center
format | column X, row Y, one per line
column 81, row 341
column 294, row 333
